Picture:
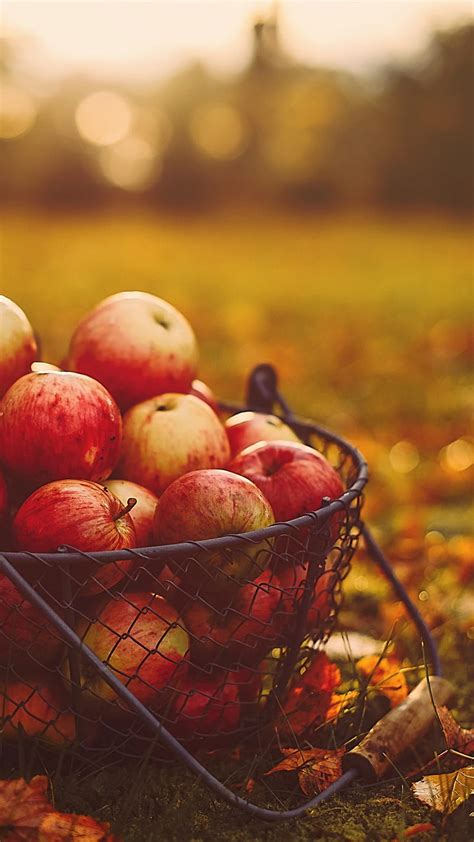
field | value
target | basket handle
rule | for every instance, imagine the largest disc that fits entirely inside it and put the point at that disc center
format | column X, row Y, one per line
column 262, row 391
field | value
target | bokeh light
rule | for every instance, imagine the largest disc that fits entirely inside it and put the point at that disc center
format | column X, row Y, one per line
column 404, row 457
column 103, row 118
column 218, row 131
column 17, row 111
column 458, row 455
column 130, row 164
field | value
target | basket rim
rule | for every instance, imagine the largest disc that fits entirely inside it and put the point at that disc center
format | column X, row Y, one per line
column 71, row 556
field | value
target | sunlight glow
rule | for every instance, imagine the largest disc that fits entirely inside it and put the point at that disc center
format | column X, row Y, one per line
column 17, row 112
column 404, row 457
column 103, row 118
column 218, row 131
column 130, row 164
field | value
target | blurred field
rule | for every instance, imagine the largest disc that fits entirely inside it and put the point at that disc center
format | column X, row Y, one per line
column 368, row 321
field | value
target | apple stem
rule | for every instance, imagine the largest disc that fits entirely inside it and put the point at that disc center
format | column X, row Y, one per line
column 131, row 502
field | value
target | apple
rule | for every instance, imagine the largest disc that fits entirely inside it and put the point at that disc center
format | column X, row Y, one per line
column 140, row 637
column 142, row 513
column 205, row 707
column 247, row 428
column 249, row 686
column 209, row 504
column 202, row 390
column 3, row 511
column 18, row 346
column 137, row 345
column 168, row 436
column 38, row 710
column 291, row 579
column 59, row 425
column 240, row 634
column 25, row 633
column 83, row 515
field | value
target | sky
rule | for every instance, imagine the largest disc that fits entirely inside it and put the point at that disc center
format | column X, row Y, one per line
column 133, row 38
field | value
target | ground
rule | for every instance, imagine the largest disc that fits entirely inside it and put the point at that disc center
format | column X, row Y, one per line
column 368, row 323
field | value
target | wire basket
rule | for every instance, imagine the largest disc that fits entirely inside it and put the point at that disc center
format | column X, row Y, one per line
column 110, row 655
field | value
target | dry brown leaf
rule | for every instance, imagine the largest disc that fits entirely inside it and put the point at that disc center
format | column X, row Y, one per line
column 317, row 768
column 384, row 674
column 457, row 738
column 23, row 806
column 66, row 827
column 445, row 792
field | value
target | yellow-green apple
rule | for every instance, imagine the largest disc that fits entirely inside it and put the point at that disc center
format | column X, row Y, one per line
column 209, row 504
column 142, row 513
column 205, row 707
column 83, row 515
column 203, row 391
column 247, row 428
column 137, row 345
column 59, row 425
column 18, row 346
column 38, row 710
column 141, row 639
column 25, row 633
column 168, row 436
column 240, row 634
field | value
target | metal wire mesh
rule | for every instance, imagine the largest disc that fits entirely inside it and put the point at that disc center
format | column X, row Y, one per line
column 212, row 654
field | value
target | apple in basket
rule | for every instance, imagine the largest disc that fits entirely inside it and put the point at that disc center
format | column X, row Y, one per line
column 18, row 346
column 58, row 425
column 168, row 436
column 240, row 634
column 25, row 633
column 137, row 345
column 139, row 636
column 38, row 709
column 142, row 513
column 209, row 504
column 83, row 515
column 205, row 706
column 246, row 428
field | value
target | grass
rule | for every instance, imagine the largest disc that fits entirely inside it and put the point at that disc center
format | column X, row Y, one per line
column 368, row 323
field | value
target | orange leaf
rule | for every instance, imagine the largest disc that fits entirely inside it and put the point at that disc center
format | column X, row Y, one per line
column 414, row 829
column 317, row 767
column 339, row 701
column 457, row 738
column 310, row 696
column 22, row 807
column 66, row 827
column 384, row 674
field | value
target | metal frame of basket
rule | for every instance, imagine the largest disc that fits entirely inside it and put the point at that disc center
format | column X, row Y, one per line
column 60, row 596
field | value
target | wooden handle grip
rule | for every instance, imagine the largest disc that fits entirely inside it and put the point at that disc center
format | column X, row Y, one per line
column 398, row 730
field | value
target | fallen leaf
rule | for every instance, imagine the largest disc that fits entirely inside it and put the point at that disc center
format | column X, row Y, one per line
column 413, row 830
column 445, row 792
column 23, row 806
column 340, row 701
column 385, row 675
column 310, row 696
column 457, row 738
column 66, row 827
column 317, row 768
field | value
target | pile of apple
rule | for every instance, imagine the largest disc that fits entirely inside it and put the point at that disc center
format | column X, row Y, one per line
column 123, row 448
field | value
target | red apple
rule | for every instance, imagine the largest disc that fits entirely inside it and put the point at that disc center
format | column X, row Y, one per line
column 142, row 513
column 137, row 345
column 247, row 428
column 18, row 346
column 59, row 425
column 205, row 707
column 202, row 390
column 168, row 436
column 140, row 637
column 25, row 633
column 240, row 634
column 40, row 710
column 208, row 504
column 80, row 514
column 293, row 477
